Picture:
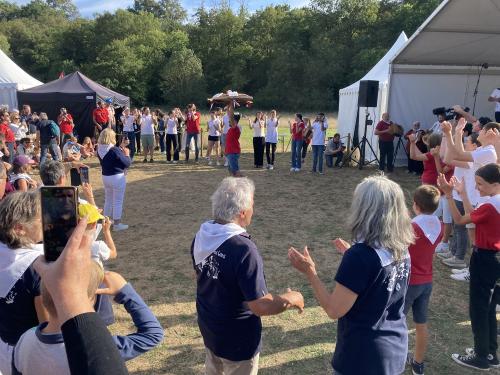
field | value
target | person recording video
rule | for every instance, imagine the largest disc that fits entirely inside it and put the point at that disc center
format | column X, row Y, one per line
column 495, row 98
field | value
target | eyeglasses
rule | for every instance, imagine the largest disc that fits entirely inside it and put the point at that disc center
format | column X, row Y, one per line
column 17, row 118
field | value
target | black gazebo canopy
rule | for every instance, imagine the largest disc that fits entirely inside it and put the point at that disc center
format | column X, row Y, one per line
column 75, row 92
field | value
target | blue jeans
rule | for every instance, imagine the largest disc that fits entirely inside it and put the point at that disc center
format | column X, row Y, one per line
column 318, row 152
column 232, row 162
column 161, row 136
column 131, row 144
column 459, row 242
column 329, row 159
column 52, row 147
column 190, row 136
column 296, row 153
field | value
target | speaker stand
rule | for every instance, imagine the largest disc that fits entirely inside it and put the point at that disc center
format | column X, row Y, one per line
column 362, row 149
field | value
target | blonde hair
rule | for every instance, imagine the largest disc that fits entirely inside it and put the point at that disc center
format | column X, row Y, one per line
column 96, row 278
column 379, row 216
column 107, row 137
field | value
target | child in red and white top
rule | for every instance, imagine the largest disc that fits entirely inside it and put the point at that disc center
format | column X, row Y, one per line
column 484, row 264
column 428, row 233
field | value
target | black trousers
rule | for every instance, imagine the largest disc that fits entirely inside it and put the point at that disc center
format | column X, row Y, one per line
column 270, row 151
column 415, row 166
column 179, row 140
column 305, row 145
column 484, row 295
column 386, row 149
column 258, row 151
column 172, row 145
column 138, row 141
column 497, row 116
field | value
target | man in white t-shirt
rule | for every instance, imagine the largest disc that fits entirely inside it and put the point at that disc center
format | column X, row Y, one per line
column 147, row 134
column 319, row 127
column 495, row 97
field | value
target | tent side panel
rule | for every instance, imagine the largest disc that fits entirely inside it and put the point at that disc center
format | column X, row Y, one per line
column 8, row 96
column 79, row 105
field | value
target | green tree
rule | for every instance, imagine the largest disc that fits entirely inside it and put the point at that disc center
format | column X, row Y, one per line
column 181, row 79
column 4, row 44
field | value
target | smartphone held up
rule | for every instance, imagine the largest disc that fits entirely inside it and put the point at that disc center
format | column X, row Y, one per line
column 59, row 218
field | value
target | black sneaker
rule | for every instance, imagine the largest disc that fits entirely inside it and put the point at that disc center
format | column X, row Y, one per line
column 471, row 361
column 145, row 161
column 492, row 358
column 416, row 368
column 151, row 160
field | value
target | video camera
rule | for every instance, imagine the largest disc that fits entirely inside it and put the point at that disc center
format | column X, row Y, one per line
column 449, row 113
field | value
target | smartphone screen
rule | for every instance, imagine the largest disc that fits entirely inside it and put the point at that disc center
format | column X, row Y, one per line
column 59, row 218
column 84, row 175
column 75, row 177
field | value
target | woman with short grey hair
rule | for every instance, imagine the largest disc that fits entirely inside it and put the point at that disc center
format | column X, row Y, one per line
column 233, row 196
column 20, row 233
column 372, row 280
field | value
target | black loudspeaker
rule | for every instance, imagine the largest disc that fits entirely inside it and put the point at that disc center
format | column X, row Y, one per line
column 368, row 93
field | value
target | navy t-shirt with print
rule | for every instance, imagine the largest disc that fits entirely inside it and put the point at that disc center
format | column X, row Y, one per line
column 372, row 338
column 230, row 276
column 17, row 309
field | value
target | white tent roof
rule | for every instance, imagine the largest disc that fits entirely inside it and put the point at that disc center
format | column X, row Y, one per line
column 456, row 34
column 12, row 75
column 380, row 72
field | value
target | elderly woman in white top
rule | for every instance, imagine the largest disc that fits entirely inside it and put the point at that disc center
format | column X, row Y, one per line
column 258, row 126
column 20, row 301
column 371, row 282
column 20, row 129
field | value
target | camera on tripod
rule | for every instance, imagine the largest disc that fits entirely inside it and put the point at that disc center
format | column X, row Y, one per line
column 449, row 113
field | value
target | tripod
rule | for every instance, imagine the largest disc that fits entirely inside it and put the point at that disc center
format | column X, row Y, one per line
column 362, row 146
column 480, row 71
column 399, row 145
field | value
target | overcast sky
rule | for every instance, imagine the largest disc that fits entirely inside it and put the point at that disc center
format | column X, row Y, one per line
column 89, row 7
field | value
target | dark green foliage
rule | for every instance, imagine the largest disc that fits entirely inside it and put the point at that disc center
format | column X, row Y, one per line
column 293, row 59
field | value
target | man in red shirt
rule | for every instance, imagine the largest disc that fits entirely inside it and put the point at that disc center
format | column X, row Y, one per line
column 385, row 143
column 192, row 130
column 10, row 139
column 66, row 124
column 100, row 116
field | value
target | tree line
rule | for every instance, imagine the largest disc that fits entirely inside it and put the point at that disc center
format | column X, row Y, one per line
column 289, row 58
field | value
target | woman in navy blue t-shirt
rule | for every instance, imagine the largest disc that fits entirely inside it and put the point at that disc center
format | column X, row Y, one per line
column 372, row 278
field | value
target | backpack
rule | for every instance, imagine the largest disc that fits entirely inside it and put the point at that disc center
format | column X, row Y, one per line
column 54, row 130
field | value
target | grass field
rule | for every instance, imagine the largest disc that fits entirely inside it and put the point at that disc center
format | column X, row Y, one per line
column 165, row 205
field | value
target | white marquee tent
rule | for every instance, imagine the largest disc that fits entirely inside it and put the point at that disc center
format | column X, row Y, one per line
column 13, row 78
column 439, row 65
column 348, row 97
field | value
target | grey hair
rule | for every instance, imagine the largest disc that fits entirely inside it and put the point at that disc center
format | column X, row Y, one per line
column 18, row 208
column 379, row 216
column 233, row 195
column 51, row 172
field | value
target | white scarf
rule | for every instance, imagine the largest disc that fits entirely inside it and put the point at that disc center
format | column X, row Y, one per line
column 13, row 264
column 102, row 150
column 210, row 236
column 430, row 225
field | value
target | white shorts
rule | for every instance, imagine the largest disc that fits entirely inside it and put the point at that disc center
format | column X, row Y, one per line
column 443, row 210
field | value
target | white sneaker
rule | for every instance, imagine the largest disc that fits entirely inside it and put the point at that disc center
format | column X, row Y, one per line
column 464, row 276
column 443, row 247
column 210, row 162
column 175, row 162
column 292, row 169
column 217, row 163
column 454, row 262
column 297, row 169
column 445, row 255
column 119, row 227
column 459, row 270
column 271, row 167
column 226, row 163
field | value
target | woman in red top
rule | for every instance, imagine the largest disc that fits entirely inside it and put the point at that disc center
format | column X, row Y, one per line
column 10, row 139
column 65, row 122
column 233, row 149
column 484, row 266
column 297, row 130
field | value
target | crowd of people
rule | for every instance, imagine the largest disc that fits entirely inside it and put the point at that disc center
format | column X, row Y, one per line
column 53, row 315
